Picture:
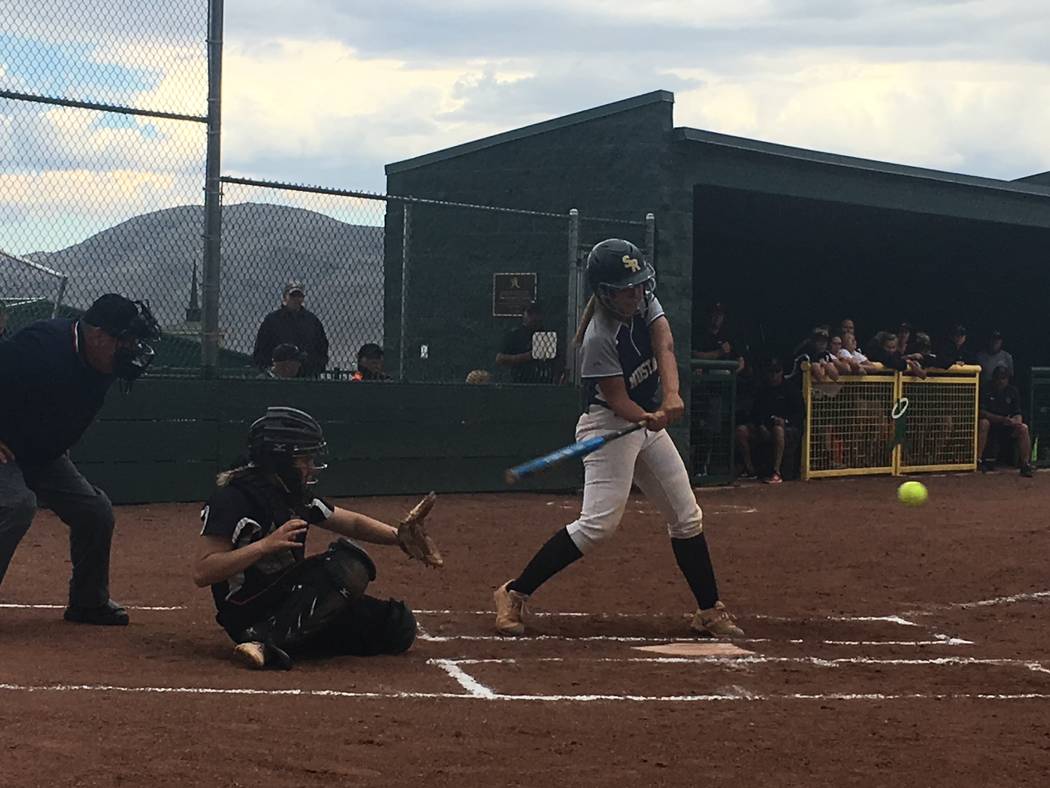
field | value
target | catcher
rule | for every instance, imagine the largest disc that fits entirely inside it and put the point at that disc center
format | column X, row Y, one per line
column 274, row 602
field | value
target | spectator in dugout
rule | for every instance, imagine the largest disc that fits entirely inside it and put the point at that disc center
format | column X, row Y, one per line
column 713, row 344
column 857, row 362
column 1000, row 425
column 815, row 351
column 904, row 338
column 370, row 364
column 516, row 350
column 293, row 324
column 955, row 350
column 775, row 417
column 922, row 351
column 287, row 361
column 994, row 357
column 883, row 350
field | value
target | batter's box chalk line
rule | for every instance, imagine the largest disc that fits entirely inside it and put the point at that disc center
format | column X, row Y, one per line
column 934, row 639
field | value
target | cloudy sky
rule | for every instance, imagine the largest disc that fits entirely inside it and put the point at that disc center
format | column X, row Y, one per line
column 328, row 91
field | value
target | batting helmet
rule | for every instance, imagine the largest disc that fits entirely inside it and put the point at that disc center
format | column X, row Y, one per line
column 615, row 264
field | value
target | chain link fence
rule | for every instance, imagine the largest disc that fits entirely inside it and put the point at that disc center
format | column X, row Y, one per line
column 102, row 139
column 328, row 242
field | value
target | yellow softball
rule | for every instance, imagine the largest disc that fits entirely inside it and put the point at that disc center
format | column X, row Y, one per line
column 912, row 493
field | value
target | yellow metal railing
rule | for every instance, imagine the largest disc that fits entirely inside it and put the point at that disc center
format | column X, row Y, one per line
column 886, row 422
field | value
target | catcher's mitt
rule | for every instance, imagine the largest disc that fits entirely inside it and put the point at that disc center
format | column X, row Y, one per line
column 413, row 537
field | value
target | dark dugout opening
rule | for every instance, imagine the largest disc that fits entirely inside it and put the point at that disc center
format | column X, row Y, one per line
column 782, row 265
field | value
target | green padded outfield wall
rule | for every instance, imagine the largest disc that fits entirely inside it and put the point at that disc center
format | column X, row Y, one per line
column 166, row 440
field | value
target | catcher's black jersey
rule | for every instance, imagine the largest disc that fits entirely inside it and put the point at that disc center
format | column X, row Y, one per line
column 245, row 511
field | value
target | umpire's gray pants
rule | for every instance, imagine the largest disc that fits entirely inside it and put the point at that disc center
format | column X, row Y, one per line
column 84, row 508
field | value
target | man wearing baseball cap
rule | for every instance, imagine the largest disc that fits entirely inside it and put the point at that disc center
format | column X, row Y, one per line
column 994, row 357
column 56, row 375
column 293, row 324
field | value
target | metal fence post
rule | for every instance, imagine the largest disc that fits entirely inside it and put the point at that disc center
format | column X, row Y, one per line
column 212, row 195
column 406, row 245
column 650, row 237
column 573, row 303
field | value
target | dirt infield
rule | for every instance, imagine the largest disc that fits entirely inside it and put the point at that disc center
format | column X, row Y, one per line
column 887, row 646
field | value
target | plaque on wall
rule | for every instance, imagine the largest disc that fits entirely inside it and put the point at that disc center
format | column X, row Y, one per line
column 511, row 293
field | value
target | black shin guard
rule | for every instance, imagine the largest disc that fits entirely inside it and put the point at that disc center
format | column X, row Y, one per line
column 695, row 562
column 555, row 555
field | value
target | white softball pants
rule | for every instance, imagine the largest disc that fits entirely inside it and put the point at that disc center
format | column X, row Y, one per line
column 648, row 459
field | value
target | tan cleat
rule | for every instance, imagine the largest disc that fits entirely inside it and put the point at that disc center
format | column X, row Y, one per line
column 510, row 610
column 251, row 654
column 716, row 622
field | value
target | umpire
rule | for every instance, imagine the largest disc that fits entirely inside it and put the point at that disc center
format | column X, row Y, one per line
column 56, row 375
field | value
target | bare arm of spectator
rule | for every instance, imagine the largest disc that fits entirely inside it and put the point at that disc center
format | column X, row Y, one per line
column 513, row 359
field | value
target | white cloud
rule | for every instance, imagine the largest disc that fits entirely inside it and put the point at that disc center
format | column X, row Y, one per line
column 327, row 91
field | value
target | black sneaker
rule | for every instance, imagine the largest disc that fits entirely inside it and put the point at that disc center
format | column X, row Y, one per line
column 1027, row 471
column 985, row 465
column 110, row 614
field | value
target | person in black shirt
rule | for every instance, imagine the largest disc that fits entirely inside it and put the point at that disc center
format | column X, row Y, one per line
column 273, row 602
column 293, row 324
column 1000, row 420
column 884, row 350
column 56, row 375
column 370, row 364
column 3, row 321
column 713, row 344
column 516, row 351
column 955, row 350
column 777, row 409
column 287, row 361
column 815, row 351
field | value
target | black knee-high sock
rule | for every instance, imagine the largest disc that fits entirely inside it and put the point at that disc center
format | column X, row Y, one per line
column 555, row 555
column 695, row 562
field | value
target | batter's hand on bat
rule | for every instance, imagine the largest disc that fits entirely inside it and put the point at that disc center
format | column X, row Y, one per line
column 656, row 421
column 6, row 455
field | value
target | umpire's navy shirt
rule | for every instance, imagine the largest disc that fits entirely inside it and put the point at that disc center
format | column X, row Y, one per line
column 49, row 394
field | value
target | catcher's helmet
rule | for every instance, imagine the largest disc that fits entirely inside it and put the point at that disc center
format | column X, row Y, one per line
column 276, row 439
column 615, row 264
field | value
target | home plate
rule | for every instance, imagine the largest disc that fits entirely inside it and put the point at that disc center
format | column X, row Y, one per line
column 691, row 649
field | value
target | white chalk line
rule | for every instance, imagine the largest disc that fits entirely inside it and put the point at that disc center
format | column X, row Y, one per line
column 734, row 696
column 638, row 639
column 464, row 679
column 15, row 606
column 580, row 614
column 934, row 608
column 714, row 659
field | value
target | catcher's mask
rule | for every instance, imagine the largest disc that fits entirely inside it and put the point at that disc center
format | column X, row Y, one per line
column 282, row 440
column 615, row 264
column 132, row 324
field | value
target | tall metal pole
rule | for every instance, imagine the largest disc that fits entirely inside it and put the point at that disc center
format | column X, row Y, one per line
column 212, row 195
column 650, row 237
column 573, row 305
column 406, row 246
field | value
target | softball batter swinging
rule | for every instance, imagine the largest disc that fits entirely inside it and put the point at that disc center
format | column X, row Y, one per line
column 630, row 374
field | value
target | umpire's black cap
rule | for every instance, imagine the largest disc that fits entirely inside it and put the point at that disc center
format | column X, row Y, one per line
column 114, row 314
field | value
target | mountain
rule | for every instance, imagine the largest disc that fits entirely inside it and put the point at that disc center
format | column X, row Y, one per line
column 152, row 257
